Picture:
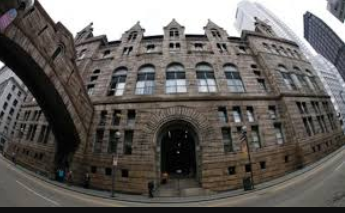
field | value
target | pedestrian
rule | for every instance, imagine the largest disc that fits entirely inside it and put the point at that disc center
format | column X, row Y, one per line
column 61, row 175
column 14, row 158
column 87, row 181
column 151, row 187
column 69, row 177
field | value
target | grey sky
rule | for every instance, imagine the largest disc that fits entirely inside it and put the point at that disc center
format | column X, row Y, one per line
column 115, row 17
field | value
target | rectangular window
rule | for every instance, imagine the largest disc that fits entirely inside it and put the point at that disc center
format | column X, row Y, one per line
column 27, row 115
column 5, row 106
column 311, row 123
column 232, row 170
column 34, row 129
column 125, row 173
column 198, row 46
column 42, row 133
column 129, row 135
column 90, row 89
column 116, row 118
column 272, row 111
column 93, row 169
column 248, row 168
column 263, row 165
column 98, row 141
column 331, row 120
column 302, row 107
column 324, row 123
column 103, row 119
column 14, row 87
column 236, row 113
column 234, row 81
column 113, row 142
column 288, row 81
column 321, row 124
column 227, row 140
column 12, row 112
column 108, row 172
column 307, row 126
column 46, row 135
column 2, row 114
column 250, row 114
column 279, row 134
column 223, row 115
column 29, row 132
column 15, row 103
column 21, row 131
column 262, row 85
column 131, row 118
column 176, row 82
column 256, row 137
column 207, row 82
column 9, row 97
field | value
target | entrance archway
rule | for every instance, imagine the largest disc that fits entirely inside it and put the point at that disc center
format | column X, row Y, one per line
column 179, row 155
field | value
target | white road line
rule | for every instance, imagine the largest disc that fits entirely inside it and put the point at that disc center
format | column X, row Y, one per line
column 37, row 194
column 339, row 167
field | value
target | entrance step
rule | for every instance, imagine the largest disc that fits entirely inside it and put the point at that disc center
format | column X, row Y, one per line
column 182, row 188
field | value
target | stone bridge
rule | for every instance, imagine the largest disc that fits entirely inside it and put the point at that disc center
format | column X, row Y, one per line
column 42, row 54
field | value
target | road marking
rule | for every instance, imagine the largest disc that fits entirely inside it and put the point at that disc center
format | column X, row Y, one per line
column 339, row 167
column 37, row 194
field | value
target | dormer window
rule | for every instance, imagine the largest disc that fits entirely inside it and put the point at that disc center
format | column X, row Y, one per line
column 150, row 48
column 216, row 34
column 127, row 50
column 175, row 46
column 133, row 36
column 106, row 53
column 199, row 46
column 174, row 33
column 222, row 48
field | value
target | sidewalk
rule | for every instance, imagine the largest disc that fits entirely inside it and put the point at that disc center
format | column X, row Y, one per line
column 146, row 200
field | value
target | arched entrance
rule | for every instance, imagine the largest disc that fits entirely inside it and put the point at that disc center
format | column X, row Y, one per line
column 179, row 155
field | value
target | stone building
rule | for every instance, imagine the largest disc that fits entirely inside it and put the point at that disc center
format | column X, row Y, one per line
column 180, row 102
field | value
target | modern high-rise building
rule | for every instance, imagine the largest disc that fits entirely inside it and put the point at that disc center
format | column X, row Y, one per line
column 337, row 8
column 325, row 41
column 12, row 93
column 245, row 20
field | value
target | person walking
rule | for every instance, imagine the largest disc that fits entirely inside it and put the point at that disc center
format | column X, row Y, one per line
column 151, row 187
column 14, row 158
column 69, row 178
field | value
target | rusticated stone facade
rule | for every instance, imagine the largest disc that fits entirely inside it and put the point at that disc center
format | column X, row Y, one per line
column 199, row 89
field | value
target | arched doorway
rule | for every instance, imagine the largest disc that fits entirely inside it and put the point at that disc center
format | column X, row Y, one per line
column 179, row 155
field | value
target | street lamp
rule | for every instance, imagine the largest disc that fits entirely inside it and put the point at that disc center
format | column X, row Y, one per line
column 115, row 162
column 245, row 137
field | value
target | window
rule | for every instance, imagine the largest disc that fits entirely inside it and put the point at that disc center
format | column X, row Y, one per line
column 133, row 36
column 234, row 80
column 227, row 140
column 222, row 48
column 248, row 168
column 46, row 135
column 223, row 115
column 311, row 123
column 93, row 78
column 174, row 33
column 150, row 48
column 250, row 114
column 326, row 106
column 14, row 88
column 113, row 142
column 90, row 89
column 99, row 141
column 93, row 169
column 314, row 83
column 127, row 50
column 103, row 118
column 262, row 85
column 236, row 112
column 176, row 79
column 263, row 165
column 82, row 54
column 256, row 137
column 42, row 134
column 199, row 46
column 302, row 107
column 267, row 47
column 108, row 171
column 287, row 78
column 242, row 49
column 275, row 49
column 272, row 111
column 5, row 106
column 279, row 134
column 11, row 111
column 206, row 79
column 59, row 51
column 15, row 102
column 19, row 94
column 146, row 80
column 125, row 173
column 21, row 131
column 128, row 142
column 331, row 120
column 307, row 126
column 96, row 72
column 303, row 82
column 283, row 51
column 33, row 133
column 324, row 122
column 216, row 33
column 319, row 120
column 29, row 132
column 116, row 118
column 232, row 170
column 106, row 53
column 287, row 159
column 118, row 82
column 2, row 115
column 131, row 118
column 316, row 107
column 9, row 97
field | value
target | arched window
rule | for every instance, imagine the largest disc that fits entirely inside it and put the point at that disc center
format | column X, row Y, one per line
column 118, row 82
column 290, row 53
column 234, row 80
column 174, row 32
column 283, row 51
column 96, row 72
column 106, row 53
column 59, row 50
column 146, row 80
column 216, row 33
column 296, row 69
column 267, row 47
column 206, row 78
column 275, row 49
column 176, row 79
column 298, row 55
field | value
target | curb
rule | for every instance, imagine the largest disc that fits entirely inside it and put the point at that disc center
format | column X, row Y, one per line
column 194, row 199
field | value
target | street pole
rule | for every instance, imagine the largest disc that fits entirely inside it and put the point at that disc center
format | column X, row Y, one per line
column 244, row 133
column 115, row 163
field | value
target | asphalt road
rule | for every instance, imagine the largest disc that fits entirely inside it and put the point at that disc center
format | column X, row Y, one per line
column 321, row 187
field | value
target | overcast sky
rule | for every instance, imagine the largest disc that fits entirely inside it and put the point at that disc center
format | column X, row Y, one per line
column 115, row 17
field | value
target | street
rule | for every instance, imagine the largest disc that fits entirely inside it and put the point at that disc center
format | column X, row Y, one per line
column 323, row 186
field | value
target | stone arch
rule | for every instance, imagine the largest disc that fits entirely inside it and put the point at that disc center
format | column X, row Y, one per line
column 32, row 47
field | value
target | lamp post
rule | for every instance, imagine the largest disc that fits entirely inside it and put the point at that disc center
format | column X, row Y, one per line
column 245, row 137
column 114, row 162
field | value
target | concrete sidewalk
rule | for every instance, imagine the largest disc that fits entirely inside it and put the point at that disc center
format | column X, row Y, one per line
column 146, row 200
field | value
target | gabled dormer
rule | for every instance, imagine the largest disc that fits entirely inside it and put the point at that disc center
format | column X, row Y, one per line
column 264, row 28
column 134, row 35
column 214, row 32
column 174, row 31
column 85, row 34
